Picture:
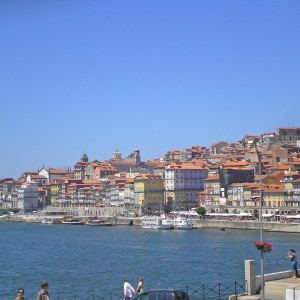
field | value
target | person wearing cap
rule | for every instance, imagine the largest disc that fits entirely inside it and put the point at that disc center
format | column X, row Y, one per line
column 43, row 293
column 20, row 294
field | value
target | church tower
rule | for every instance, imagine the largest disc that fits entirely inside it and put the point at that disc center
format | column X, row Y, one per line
column 136, row 155
column 117, row 154
column 84, row 158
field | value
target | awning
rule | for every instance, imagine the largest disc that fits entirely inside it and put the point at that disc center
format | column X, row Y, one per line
column 245, row 215
column 267, row 215
column 293, row 216
column 220, row 214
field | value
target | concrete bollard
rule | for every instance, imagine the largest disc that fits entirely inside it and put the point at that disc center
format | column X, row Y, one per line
column 250, row 276
column 292, row 293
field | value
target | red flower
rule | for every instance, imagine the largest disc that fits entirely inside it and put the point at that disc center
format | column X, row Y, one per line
column 264, row 246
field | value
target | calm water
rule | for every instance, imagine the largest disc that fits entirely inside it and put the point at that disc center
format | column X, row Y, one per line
column 85, row 260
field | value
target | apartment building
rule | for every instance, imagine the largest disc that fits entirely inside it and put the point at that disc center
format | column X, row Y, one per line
column 288, row 135
column 243, row 195
column 114, row 191
column 129, row 201
column 98, row 170
column 273, row 195
column 27, row 196
column 291, row 188
column 149, row 193
column 212, row 190
column 183, row 182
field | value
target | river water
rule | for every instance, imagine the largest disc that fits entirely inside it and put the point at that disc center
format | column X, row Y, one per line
column 86, row 260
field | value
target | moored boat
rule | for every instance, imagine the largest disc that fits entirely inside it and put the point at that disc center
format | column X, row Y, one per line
column 47, row 221
column 156, row 222
column 180, row 222
column 72, row 221
column 99, row 222
column 166, row 223
column 222, row 228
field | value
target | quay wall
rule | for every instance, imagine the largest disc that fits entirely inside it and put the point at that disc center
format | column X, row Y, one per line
column 198, row 223
column 248, row 225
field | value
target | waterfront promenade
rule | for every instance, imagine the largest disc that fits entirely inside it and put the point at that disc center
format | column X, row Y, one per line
column 279, row 285
column 198, row 223
column 123, row 217
column 275, row 290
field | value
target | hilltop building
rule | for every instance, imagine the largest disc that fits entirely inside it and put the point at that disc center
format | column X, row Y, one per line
column 51, row 174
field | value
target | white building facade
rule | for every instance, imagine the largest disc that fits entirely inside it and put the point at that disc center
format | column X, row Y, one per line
column 182, row 185
column 27, row 196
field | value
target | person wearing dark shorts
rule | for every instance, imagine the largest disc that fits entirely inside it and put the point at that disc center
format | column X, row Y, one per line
column 292, row 257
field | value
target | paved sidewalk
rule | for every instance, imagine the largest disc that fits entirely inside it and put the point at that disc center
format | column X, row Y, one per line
column 274, row 290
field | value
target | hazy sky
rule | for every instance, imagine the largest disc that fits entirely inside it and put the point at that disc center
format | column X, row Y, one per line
column 95, row 76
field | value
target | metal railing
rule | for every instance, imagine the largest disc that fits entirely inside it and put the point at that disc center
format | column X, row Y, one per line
column 217, row 291
column 213, row 291
column 276, row 265
column 108, row 296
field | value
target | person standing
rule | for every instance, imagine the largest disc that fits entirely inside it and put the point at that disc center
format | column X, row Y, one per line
column 292, row 257
column 20, row 294
column 128, row 290
column 140, row 287
column 43, row 293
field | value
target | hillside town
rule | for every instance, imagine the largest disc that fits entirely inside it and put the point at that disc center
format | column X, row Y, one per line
column 224, row 178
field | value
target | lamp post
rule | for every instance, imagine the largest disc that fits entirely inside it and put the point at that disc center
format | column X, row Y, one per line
column 261, row 229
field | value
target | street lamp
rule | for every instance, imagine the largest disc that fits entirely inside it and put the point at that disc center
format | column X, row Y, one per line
column 261, row 229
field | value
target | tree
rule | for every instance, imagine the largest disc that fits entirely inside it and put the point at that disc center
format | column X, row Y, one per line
column 201, row 211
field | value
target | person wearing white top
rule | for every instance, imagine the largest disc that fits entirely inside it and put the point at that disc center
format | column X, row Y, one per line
column 128, row 290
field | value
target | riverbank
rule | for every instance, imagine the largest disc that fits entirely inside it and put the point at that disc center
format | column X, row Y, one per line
column 198, row 223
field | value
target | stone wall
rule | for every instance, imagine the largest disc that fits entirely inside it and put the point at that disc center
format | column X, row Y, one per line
column 249, row 225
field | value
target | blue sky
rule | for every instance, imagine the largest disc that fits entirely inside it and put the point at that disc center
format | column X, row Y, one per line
column 94, row 76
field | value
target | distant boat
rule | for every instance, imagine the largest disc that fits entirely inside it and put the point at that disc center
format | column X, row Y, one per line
column 222, row 228
column 180, row 222
column 156, row 222
column 166, row 223
column 100, row 223
column 71, row 221
column 47, row 221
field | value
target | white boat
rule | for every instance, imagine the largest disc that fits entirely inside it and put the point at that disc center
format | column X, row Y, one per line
column 156, row 222
column 47, row 221
column 166, row 223
column 180, row 222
